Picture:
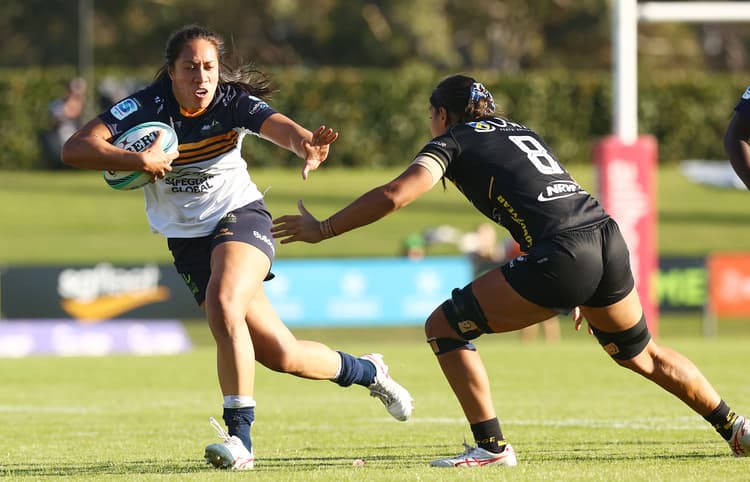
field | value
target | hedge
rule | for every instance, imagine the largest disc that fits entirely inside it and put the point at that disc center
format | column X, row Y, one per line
column 382, row 114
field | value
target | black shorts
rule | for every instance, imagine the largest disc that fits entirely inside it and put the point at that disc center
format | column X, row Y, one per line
column 589, row 267
column 249, row 224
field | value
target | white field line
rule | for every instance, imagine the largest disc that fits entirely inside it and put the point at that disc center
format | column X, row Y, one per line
column 653, row 423
column 49, row 409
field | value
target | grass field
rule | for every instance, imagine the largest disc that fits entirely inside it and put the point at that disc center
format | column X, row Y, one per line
column 570, row 412
column 72, row 217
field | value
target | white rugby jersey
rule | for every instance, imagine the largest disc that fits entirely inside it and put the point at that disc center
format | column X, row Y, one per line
column 210, row 177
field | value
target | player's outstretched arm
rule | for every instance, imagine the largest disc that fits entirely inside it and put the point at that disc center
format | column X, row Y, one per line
column 737, row 147
column 368, row 208
column 313, row 147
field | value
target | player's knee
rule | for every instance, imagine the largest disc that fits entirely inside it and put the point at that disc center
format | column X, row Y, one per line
column 464, row 314
column 627, row 344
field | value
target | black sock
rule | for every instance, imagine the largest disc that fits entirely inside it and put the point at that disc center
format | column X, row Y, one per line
column 488, row 435
column 722, row 419
column 239, row 421
column 355, row 370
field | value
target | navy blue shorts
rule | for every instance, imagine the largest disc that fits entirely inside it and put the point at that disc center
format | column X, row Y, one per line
column 249, row 224
column 585, row 267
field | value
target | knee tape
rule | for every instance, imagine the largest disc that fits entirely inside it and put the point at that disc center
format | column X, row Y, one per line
column 625, row 344
column 465, row 315
column 445, row 345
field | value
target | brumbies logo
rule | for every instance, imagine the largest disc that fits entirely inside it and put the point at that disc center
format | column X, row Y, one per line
column 559, row 190
column 210, row 127
column 746, row 95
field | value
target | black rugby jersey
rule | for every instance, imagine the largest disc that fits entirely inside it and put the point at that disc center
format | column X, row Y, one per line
column 507, row 172
column 743, row 105
column 202, row 137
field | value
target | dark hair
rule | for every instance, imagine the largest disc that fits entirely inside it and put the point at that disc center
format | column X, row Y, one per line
column 463, row 98
column 245, row 77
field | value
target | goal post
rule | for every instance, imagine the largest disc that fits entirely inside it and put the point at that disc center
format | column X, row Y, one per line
column 626, row 161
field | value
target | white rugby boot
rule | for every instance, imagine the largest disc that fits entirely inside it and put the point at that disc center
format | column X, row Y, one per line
column 232, row 454
column 478, row 457
column 739, row 442
column 396, row 398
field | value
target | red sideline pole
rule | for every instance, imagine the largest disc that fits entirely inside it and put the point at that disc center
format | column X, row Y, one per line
column 627, row 189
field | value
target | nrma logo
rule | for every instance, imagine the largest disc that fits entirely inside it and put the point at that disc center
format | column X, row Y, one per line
column 559, row 190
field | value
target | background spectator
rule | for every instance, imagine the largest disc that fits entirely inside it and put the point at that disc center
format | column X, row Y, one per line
column 66, row 119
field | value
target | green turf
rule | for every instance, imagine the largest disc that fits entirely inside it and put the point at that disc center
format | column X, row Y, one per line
column 73, row 217
column 570, row 412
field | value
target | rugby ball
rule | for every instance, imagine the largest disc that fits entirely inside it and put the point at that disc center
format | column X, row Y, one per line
column 137, row 139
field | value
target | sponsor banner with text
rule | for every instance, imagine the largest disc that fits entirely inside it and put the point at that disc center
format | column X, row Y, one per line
column 20, row 338
column 304, row 292
column 324, row 292
column 682, row 285
column 91, row 294
column 627, row 190
column 729, row 286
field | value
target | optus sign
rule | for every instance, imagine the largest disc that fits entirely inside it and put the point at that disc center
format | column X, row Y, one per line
column 105, row 291
column 91, row 294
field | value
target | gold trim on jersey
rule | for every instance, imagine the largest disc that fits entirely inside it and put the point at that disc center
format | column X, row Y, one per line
column 207, row 148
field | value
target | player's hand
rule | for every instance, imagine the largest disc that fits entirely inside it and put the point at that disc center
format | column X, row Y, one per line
column 297, row 227
column 578, row 318
column 317, row 148
column 156, row 162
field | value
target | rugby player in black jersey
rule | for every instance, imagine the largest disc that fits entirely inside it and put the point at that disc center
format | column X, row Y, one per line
column 217, row 226
column 576, row 261
column 737, row 137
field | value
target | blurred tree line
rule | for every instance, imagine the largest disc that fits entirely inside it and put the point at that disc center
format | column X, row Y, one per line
column 356, row 64
column 503, row 35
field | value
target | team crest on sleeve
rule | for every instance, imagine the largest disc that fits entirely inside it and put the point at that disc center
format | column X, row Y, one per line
column 124, row 108
column 746, row 95
column 257, row 107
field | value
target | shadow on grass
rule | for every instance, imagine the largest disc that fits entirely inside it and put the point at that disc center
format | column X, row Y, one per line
column 102, row 468
column 147, row 467
column 634, row 450
column 603, row 453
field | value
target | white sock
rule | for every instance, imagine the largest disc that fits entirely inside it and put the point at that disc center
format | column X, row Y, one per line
column 238, row 401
